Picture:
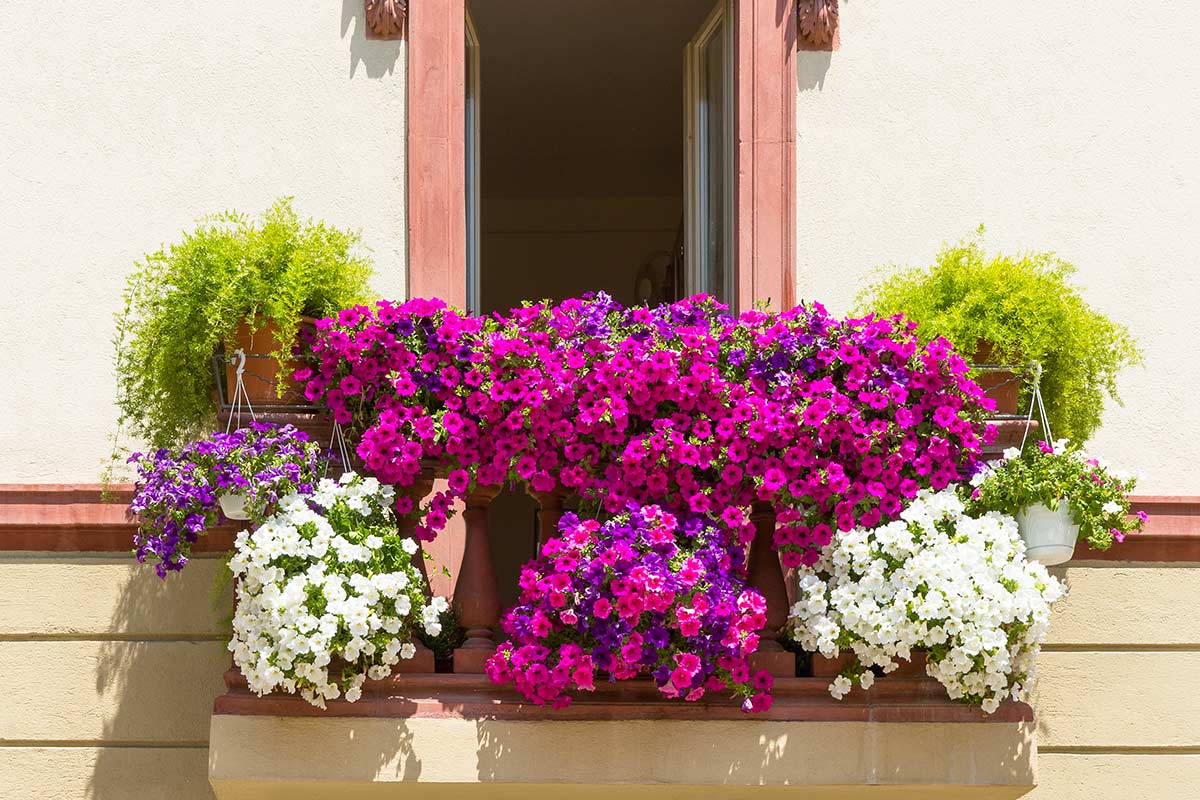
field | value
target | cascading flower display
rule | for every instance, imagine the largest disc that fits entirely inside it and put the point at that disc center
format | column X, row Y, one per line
column 836, row 423
column 936, row 579
column 176, row 497
column 640, row 594
column 327, row 593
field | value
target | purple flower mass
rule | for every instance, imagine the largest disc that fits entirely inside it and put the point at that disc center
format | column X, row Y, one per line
column 641, row 594
column 176, row 498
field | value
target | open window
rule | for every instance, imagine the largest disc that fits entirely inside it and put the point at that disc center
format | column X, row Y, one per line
column 471, row 119
column 708, row 122
column 604, row 161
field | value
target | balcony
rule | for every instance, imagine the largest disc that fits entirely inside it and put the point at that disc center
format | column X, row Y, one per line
column 451, row 734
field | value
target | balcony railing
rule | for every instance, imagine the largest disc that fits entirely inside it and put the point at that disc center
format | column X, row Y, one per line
column 420, row 688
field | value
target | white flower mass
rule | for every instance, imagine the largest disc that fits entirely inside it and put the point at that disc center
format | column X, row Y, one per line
column 936, row 580
column 327, row 581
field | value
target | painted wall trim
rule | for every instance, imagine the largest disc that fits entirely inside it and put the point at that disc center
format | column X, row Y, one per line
column 73, row 518
column 765, row 153
column 437, row 198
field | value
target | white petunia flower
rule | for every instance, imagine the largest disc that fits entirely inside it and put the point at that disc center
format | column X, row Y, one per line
column 303, row 580
column 935, row 578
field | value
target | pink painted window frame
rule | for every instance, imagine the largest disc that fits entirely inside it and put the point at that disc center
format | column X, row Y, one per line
column 765, row 153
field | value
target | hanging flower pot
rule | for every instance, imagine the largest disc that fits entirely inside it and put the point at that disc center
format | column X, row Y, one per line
column 265, row 384
column 1049, row 534
column 233, row 505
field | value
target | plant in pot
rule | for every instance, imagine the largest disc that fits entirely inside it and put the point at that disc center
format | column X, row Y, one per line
column 328, row 594
column 241, row 475
column 1058, row 496
column 640, row 594
column 939, row 580
column 1000, row 309
column 233, row 283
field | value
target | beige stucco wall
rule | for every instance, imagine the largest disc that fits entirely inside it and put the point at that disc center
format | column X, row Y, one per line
column 112, row 675
column 120, row 123
column 1068, row 126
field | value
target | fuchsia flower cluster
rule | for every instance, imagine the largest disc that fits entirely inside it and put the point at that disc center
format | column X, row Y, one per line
column 641, row 593
column 834, row 423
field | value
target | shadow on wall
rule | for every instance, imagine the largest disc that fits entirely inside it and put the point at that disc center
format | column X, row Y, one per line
column 157, row 674
column 737, row 754
column 600, row 752
column 811, row 66
column 377, row 57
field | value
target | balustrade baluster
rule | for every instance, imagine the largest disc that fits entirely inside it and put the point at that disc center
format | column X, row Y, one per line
column 550, row 511
column 476, row 595
column 766, row 574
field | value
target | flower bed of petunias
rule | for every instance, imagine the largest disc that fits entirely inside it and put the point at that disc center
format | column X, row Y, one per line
column 639, row 594
column 1097, row 493
column 327, row 593
column 176, row 497
column 937, row 579
column 835, row 423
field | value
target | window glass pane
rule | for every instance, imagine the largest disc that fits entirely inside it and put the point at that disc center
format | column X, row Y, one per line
column 471, row 117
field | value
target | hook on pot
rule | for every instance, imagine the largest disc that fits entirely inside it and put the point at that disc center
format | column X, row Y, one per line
column 239, row 358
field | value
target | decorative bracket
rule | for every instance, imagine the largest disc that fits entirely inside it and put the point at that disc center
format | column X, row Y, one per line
column 818, row 24
column 385, row 18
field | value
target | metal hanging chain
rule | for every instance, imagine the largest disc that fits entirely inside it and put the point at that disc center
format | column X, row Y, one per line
column 240, row 395
column 1037, row 402
column 338, row 439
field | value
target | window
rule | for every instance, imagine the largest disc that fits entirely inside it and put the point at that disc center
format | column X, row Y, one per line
column 471, row 159
column 709, row 161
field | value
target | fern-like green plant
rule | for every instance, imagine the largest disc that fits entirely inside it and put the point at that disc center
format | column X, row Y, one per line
column 186, row 299
column 1024, row 307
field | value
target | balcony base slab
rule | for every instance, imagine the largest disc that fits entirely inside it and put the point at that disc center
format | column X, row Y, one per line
column 268, row 757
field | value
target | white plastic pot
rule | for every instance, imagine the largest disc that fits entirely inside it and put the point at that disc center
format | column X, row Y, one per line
column 233, row 505
column 1049, row 534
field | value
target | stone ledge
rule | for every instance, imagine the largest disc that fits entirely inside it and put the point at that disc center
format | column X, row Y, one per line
column 474, row 697
column 269, row 757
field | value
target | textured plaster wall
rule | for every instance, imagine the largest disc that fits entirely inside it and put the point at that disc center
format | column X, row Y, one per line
column 1068, row 126
column 120, row 124
column 115, row 674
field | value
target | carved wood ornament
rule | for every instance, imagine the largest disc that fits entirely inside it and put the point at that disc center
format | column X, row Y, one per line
column 385, row 18
column 818, row 24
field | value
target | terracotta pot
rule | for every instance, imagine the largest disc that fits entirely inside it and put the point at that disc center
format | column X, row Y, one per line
column 1004, row 387
column 261, row 372
column 823, row 667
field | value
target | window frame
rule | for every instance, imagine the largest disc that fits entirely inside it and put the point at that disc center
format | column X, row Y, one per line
column 764, row 218
column 697, row 177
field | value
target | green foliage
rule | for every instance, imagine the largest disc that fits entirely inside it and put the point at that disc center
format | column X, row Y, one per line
column 452, row 635
column 1027, row 309
column 185, row 300
column 1097, row 493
